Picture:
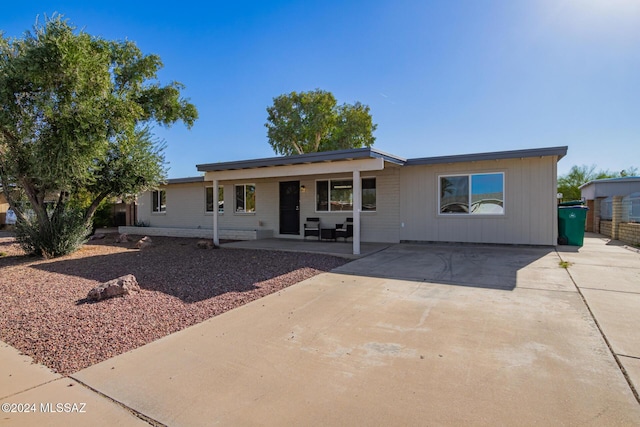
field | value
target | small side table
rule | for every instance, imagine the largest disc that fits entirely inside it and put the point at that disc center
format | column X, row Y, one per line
column 327, row 234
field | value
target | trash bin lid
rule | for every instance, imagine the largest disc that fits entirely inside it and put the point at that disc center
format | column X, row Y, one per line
column 586, row 208
column 571, row 203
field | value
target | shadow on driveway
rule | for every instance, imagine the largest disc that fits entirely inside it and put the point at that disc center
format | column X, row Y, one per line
column 482, row 266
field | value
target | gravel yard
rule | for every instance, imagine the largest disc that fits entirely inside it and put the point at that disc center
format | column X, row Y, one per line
column 44, row 314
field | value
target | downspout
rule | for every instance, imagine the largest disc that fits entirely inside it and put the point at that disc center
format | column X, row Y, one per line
column 357, row 207
column 216, row 207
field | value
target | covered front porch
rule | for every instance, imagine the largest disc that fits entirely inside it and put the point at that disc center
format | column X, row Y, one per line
column 283, row 193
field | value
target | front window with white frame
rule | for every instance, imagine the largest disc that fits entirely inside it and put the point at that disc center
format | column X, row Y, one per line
column 336, row 195
column 472, row 194
column 245, row 198
column 209, row 199
column 158, row 201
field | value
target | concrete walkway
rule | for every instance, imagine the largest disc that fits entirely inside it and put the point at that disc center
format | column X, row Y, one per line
column 412, row 335
column 608, row 276
column 337, row 248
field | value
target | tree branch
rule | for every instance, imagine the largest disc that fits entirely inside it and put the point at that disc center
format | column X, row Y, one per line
column 297, row 147
column 94, row 206
column 8, row 135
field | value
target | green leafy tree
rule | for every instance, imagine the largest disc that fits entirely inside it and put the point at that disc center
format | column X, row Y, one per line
column 308, row 122
column 630, row 171
column 569, row 184
column 75, row 112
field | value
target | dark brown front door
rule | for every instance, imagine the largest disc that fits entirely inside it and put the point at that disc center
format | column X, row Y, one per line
column 290, row 207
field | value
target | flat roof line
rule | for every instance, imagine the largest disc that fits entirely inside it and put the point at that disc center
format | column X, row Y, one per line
column 495, row 155
column 319, row 157
column 364, row 153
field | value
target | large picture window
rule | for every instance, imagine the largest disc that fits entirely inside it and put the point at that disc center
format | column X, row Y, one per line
column 245, row 198
column 337, row 195
column 209, row 197
column 473, row 194
column 159, row 201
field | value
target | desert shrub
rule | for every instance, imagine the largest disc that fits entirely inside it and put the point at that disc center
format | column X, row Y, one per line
column 65, row 233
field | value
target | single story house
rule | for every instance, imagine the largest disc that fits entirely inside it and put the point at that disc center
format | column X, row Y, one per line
column 506, row 197
column 614, row 207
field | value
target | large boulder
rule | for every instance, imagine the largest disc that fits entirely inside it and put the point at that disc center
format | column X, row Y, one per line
column 124, row 285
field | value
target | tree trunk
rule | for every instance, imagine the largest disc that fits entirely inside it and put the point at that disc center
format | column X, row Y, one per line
column 94, row 206
column 37, row 203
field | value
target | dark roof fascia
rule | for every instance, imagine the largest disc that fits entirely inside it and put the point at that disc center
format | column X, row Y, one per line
column 496, row 155
column 187, row 180
column 325, row 156
column 610, row 180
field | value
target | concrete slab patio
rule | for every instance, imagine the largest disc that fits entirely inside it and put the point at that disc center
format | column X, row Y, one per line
column 491, row 345
column 337, row 248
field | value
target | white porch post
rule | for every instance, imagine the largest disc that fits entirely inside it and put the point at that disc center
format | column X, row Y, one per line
column 357, row 206
column 216, row 240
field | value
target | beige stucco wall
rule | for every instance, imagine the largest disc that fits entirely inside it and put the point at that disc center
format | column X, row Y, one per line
column 378, row 226
column 186, row 206
column 530, row 204
column 407, row 205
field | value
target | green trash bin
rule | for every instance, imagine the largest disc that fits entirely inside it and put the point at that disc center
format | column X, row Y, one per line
column 571, row 220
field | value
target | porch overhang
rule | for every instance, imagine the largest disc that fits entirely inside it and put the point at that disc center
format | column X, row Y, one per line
column 329, row 167
column 353, row 162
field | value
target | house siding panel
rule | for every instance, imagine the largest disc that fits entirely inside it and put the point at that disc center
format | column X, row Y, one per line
column 378, row 226
column 407, row 204
column 530, row 213
column 186, row 207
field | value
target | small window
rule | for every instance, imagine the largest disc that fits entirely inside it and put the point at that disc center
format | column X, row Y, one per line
column 209, row 197
column 322, row 196
column 475, row 194
column 159, row 201
column 368, row 194
column 245, row 198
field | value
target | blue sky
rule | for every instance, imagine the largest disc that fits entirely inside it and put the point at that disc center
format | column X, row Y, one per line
column 441, row 77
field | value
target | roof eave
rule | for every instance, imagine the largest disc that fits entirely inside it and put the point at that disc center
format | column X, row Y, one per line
column 319, row 157
column 560, row 152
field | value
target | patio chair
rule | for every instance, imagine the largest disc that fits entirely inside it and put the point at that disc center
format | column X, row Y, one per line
column 345, row 230
column 312, row 227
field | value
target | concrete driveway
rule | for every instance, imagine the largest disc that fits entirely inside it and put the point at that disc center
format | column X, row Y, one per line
column 413, row 335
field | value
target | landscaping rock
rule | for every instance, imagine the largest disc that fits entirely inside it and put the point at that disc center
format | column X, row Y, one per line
column 205, row 244
column 123, row 238
column 144, row 242
column 97, row 236
column 114, row 288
